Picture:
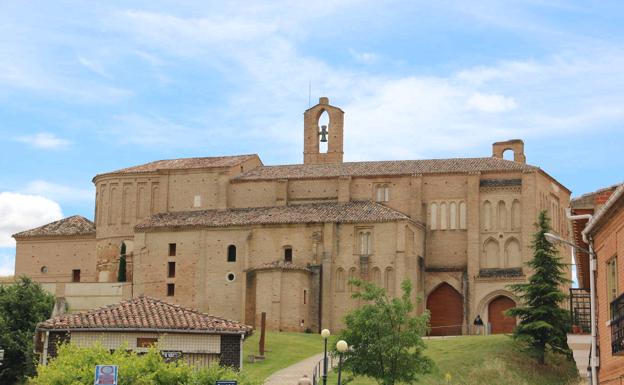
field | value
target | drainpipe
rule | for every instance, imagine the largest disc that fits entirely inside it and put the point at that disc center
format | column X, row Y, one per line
column 44, row 357
column 240, row 354
column 593, row 359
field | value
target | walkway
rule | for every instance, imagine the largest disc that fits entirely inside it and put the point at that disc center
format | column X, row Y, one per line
column 292, row 374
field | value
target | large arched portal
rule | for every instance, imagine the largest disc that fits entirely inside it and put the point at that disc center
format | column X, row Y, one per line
column 447, row 310
column 499, row 322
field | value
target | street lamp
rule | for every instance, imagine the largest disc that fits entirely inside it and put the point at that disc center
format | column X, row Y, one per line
column 325, row 334
column 342, row 347
column 554, row 239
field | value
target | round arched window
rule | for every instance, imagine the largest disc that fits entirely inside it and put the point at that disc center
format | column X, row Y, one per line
column 230, row 277
column 44, row 269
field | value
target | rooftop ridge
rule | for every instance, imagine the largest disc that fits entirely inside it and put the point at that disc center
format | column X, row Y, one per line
column 74, row 225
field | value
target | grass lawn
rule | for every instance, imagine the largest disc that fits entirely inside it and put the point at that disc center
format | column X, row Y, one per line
column 491, row 360
column 283, row 350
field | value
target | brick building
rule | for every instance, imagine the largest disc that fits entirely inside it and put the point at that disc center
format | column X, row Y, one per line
column 139, row 323
column 231, row 236
column 605, row 231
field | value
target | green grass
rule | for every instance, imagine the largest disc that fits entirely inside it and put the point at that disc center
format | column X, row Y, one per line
column 282, row 350
column 492, row 360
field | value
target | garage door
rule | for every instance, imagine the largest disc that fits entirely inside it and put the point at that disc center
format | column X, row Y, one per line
column 500, row 323
column 447, row 309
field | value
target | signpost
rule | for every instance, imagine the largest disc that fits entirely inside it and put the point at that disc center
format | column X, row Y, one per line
column 106, row 375
column 171, row 355
column 227, row 382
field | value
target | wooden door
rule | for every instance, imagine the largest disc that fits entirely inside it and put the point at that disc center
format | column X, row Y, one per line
column 499, row 322
column 446, row 306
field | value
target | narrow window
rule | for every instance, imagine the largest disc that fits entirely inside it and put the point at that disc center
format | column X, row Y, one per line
column 172, row 249
column 231, row 253
column 170, row 289
column 197, row 201
column 612, row 283
column 171, row 270
column 386, row 194
column 365, row 240
column 288, row 254
column 305, row 297
column 434, row 216
column 76, row 275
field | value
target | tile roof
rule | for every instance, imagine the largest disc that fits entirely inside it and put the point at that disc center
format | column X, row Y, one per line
column 144, row 313
column 605, row 212
column 588, row 200
column 74, row 225
column 333, row 212
column 185, row 164
column 392, row 167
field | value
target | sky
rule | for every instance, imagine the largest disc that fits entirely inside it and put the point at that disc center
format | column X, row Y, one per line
column 90, row 87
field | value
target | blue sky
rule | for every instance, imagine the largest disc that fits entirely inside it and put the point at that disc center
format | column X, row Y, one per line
column 89, row 87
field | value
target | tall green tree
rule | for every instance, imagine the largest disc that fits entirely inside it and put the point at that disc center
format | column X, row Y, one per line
column 543, row 322
column 384, row 336
column 22, row 306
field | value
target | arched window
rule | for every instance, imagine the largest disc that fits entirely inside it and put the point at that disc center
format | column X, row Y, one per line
column 382, row 193
column 491, row 254
column 376, row 276
column 453, row 214
column 288, row 254
column 433, row 219
column 516, row 215
column 231, row 254
column 443, row 216
column 502, row 215
column 487, row 216
column 340, row 280
column 324, row 126
column 513, row 254
column 462, row 215
column 352, row 276
column 389, row 280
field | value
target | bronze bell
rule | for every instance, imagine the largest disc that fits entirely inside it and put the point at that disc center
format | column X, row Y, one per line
column 323, row 134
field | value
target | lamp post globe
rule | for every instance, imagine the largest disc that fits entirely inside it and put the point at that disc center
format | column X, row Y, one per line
column 325, row 334
column 342, row 347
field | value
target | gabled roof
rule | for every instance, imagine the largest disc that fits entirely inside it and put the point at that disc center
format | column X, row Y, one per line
column 605, row 212
column 144, row 313
column 593, row 199
column 72, row 226
column 392, row 167
column 185, row 164
column 329, row 212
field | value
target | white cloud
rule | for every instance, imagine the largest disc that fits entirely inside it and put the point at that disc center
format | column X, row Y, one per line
column 19, row 212
column 45, row 140
column 364, row 57
column 59, row 192
column 491, row 103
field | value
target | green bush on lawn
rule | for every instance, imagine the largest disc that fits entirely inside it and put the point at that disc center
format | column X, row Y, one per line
column 76, row 366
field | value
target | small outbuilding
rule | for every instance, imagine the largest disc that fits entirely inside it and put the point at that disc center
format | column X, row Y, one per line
column 197, row 338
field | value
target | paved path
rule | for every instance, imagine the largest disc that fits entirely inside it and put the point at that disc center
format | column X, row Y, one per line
column 292, row 374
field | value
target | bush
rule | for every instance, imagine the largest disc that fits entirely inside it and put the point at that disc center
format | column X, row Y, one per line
column 76, row 366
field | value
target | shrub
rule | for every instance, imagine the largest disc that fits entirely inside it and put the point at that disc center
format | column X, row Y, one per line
column 76, row 366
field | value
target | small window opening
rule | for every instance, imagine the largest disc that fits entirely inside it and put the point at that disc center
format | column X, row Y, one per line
column 170, row 289
column 197, row 201
column 305, row 297
column 508, row 154
column 230, row 277
column 44, row 269
column 76, row 275
column 323, row 138
column 288, row 254
column 231, row 253
column 171, row 270
column 146, row 342
column 172, row 249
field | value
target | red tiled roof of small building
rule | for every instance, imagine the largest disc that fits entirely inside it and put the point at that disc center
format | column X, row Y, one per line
column 72, row 226
column 185, row 164
column 145, row 313
column 392, row 167
column 330, row 212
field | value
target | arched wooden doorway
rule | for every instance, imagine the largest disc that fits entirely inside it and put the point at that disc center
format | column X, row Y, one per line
column 499, row 322
column 446, row 306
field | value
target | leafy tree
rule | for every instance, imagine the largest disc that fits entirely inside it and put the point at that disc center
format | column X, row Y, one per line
column 22, row 306
column 385, row 337
column 543, row 322
column 75, row 365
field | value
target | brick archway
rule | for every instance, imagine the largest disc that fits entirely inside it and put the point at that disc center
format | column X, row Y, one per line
column 499, row 322
column 446, row 306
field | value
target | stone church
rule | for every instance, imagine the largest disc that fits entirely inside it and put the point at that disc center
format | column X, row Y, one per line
column 233, row 237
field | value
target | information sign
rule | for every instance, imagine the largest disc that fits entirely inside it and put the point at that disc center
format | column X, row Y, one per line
column 227, row 382
column 105, row 375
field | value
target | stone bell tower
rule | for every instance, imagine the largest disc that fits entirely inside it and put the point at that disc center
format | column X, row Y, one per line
column 315, row 134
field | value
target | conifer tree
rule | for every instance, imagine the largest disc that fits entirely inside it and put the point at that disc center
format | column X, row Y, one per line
column 543, row 322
